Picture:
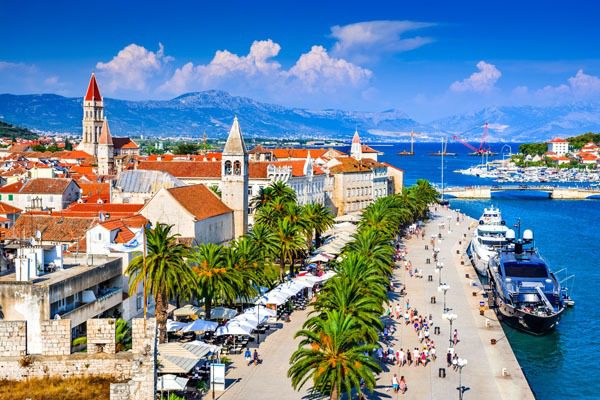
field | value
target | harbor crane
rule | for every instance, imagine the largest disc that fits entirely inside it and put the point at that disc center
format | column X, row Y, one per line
column 482, row 150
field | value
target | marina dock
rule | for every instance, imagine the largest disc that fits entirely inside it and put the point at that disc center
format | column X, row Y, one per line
column 553, row 192
column 492, row 371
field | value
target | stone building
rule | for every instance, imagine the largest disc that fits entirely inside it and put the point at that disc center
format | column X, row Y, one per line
column 196, row 213
column 234, row 178
column 92, row 141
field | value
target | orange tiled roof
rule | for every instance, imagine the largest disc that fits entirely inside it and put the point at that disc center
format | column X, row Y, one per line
column 110, row 208
column 46, row 186
column 281, row 154
column 200, row 201
column 185, row 169
column 558, row 140
column 53, row 227
column 367, row 149
column 124, row 143
column 8, row 209
column 93, row 93
column 12, row 188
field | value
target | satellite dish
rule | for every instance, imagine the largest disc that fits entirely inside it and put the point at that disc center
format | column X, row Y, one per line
column 510, row 234
column 528, row 234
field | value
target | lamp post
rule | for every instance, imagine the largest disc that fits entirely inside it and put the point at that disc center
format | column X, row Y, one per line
column 449, row 223
column 461, row 363
column 450, row 317
column 443, row 288
column 438, row 270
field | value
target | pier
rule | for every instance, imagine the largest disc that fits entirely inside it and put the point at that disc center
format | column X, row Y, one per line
column 553, row 192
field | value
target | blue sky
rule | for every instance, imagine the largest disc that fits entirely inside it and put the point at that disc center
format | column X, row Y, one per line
column 427, row 58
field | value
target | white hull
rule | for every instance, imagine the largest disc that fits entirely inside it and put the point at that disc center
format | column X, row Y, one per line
column 479, row 257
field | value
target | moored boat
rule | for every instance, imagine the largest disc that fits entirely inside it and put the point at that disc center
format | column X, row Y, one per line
column 487, row 239
column 526, row 293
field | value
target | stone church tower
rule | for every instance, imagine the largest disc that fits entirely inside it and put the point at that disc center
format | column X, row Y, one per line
column 93, row 118
column 105, row 151
column 356, row 148
column 234, row 178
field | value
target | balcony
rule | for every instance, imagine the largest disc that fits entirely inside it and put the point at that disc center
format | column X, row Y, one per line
column 84, row 311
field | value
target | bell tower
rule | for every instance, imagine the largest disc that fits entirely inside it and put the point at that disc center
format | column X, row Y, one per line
column 234, row 178
column 105, row 150
column 93, row 118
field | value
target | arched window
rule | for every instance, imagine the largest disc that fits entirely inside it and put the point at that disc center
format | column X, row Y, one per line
column 227, row 167
column 237, row 168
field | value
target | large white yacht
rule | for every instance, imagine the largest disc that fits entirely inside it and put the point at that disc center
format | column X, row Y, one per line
column 489, row 236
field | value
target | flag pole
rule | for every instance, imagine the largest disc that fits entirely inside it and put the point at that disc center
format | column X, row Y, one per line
column 145, row 278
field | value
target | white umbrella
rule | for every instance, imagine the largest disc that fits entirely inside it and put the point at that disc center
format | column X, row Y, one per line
column 233, row 329
column 222, row 313
column 173, row 326
column 200, row 325
column 261, row 310
column 319, row 258
column 306, row 283
column 273, row 297
column 245, row 322
column 171, row 382
column 254, row 318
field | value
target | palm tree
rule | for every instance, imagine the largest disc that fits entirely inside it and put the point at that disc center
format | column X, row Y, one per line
column 217, row 280
column 353, row 298
column 264, row 197
column 370, row 244
column 283, row 191
column 164, row 272
column 319, row 219
column 333, row 354
column 288, row 241
column 264, row 239
column 244, row 256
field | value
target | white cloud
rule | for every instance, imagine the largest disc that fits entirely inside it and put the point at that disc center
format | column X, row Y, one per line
column 482, row 81
column 318, row 70
column 578, row 87
column 366, row 41
column 132, row 67
column 27, row 78
column 313, row 71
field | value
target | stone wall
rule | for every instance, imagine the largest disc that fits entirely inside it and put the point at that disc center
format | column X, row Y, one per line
column 135, row 370
column 13, row 338
column 101, row 336
column 56, row 337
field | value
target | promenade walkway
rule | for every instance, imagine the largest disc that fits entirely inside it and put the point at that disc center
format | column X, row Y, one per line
column 483, row 373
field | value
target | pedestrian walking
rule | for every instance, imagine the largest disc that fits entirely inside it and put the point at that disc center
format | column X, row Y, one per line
column 402, row 385
column 248, row 356
column 395, row 383
column 255, row 357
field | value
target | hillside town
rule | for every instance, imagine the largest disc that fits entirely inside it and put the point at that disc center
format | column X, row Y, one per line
column 72, row 221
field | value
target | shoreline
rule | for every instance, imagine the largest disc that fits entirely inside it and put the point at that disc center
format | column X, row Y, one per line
column 493, row 373
column 502, row 343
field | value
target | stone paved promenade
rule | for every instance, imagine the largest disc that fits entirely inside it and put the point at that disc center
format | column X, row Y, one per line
column 483, row 374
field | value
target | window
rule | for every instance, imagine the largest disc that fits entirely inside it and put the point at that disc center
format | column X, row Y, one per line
column 227, row 167
column 237, row 168
column 99, row 235
column 138, row 301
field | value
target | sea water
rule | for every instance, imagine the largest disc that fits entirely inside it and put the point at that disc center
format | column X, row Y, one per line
column 563, row 364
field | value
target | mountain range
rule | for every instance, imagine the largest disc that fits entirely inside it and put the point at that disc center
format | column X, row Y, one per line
column 192, row 113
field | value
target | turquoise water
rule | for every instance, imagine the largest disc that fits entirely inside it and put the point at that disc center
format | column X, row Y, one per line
column 563, row 364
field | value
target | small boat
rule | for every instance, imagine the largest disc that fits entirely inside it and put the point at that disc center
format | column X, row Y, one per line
column 488, row 238
column 526, row 293
column 439, row 153
column 405, row 153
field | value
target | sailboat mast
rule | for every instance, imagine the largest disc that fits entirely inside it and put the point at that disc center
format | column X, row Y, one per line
column 412, row 142
column 443, row 152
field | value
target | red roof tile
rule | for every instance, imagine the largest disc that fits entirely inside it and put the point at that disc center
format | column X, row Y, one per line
column 12, row 188
column 124, row 143
column 93, row 93
column 46, row 186
column 8, row 209
column 200, row 201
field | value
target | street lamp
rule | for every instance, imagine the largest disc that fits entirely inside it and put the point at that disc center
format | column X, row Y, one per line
column 450, row 317
column 461, row 363
column 438, row 270
column 443, row 288
column 449, row 223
